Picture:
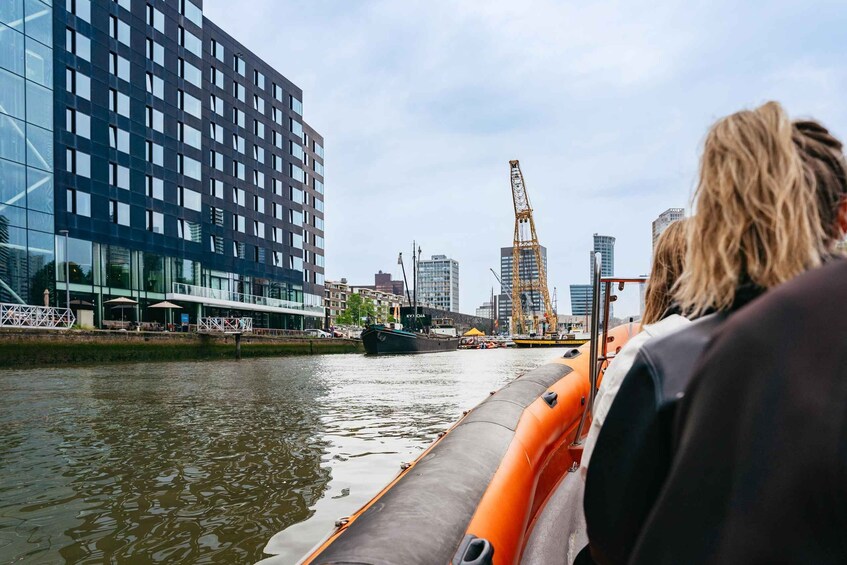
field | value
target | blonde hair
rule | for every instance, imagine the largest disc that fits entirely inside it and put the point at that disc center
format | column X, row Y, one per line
column 668, row 260
column 756, row 215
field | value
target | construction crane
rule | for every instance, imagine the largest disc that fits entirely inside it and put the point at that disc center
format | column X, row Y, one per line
column 525, row 247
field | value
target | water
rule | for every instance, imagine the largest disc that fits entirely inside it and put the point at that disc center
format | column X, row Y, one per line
column 218, row 462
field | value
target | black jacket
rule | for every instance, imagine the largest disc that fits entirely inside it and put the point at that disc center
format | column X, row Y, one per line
column 632, row 455
column 759, row 469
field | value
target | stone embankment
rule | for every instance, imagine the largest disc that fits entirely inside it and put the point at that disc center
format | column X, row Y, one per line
column 30, row 348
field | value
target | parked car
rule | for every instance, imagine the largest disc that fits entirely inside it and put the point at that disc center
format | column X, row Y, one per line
column 318, row 333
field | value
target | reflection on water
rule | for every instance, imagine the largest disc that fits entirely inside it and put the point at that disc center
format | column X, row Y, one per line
column 207, row 462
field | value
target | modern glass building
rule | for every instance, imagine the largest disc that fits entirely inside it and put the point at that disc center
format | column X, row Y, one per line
column 529, row 271
column 581, row 299
column 605, row 245
column 183, row 168
column 438, row 283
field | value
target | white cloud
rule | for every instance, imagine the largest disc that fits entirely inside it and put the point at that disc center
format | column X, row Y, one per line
column 422, row 104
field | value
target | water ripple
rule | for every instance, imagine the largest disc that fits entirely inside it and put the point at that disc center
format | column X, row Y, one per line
column 205, row 462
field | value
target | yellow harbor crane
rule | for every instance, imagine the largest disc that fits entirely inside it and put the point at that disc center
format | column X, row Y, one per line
column 526, row 248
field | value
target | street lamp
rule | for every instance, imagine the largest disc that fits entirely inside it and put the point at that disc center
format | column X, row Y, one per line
column 67, row 272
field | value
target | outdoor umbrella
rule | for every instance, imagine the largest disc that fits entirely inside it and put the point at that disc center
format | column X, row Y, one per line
column 121, row 302
column 166, row 305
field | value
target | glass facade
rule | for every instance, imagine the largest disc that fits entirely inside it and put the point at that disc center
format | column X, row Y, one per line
column 27, row 265
column 177, row 161
column 529, row 271
column 438, row 283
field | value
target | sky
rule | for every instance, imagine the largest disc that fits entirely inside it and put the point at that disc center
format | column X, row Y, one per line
column 423, row 103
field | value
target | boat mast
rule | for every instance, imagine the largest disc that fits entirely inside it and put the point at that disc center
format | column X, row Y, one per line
column 405, row 281
column 415, row 282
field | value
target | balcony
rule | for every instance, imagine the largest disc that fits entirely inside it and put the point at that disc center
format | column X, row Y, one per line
column 240, row 301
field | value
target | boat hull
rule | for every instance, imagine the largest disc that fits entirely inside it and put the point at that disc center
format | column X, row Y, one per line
column 484, row 481
column 381, row 341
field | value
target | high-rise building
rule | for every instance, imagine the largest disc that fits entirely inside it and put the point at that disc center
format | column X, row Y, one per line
column 438, row 283
column 529, row 270
column 665, row 219
column 580, row 299
column 605, row 245
column 176, row 159
column 384, row 283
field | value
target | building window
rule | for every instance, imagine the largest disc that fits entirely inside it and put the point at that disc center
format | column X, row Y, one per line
column 118, row 139
column 238, row 91
column 155, row 86
column 279, row 139
column 238, row 65
column 216, row 244
column 155, row 52
column 238, row 196
column 155, row 222
column 258, row 103
column 79, row 203
column 118, row 176
column 189, row 135
column 155, row 119
column 216, row 188
column 318, row 167
column 238, row 170
column 79, row 8
column 296, row 150
column 278, row 93
column 78, row 123
column 258, row 229
column 190, row 73
column 259, row 79
column 189, row 104
column 155, row 19
column 216, row 132
column 319, row 186
column 238, row 117
column 119, row 30
column 78, row 163
column 296, row 105
column 216, row 77
column 118, row 102
column 296, row 127
column 258, row 178
column 238, row 143
column 238, row 223
column 216, row 216
column 119, row 66
column 78, row 44
column 191, row 42
column 155, row 188
column 192, row 12
column 318, row 149
column 189, row 199
column 154, row 153
column 259, row 154
column 218, row 51
column 297, row 173
column 216, row 160
column 189, row 231
column 259, row 129
column 119, row 213
column 78, row 83
column 189, row 167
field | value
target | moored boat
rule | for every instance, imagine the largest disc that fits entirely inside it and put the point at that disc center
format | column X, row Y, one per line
column 380, row 339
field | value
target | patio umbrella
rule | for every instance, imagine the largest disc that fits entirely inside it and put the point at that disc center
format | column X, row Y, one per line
column 167, row 305
column 121, row 302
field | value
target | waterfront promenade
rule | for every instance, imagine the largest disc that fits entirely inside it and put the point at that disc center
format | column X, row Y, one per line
column 30, row 348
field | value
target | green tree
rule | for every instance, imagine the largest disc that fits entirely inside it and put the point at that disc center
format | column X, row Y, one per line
column 358, row 308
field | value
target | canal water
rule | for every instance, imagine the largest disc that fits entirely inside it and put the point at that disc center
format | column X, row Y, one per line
column 218, row 462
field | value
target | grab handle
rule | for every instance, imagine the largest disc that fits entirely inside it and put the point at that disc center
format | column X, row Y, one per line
column 474, row 551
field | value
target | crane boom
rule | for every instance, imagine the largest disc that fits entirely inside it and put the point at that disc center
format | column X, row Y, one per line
column 525, row 249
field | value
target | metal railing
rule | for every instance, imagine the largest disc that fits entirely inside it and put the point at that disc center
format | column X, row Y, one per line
column 599, row 355
column 225, row 325
column 35, row 317
column 230, row 296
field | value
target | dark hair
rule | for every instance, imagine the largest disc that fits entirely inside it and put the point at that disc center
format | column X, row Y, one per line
column 823, row 158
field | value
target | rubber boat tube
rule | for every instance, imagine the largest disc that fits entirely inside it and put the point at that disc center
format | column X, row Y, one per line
column 472, row 497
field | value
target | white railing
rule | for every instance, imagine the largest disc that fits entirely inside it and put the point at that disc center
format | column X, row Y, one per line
column 218, row 294
column 225, row 325
column 35, row 317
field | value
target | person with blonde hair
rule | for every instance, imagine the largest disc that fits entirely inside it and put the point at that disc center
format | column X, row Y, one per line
column 759, row 221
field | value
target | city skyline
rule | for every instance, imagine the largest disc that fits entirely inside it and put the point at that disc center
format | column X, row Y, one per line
column 605, row 105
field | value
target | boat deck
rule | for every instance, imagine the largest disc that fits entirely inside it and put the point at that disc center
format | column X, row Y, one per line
column 548, row 543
